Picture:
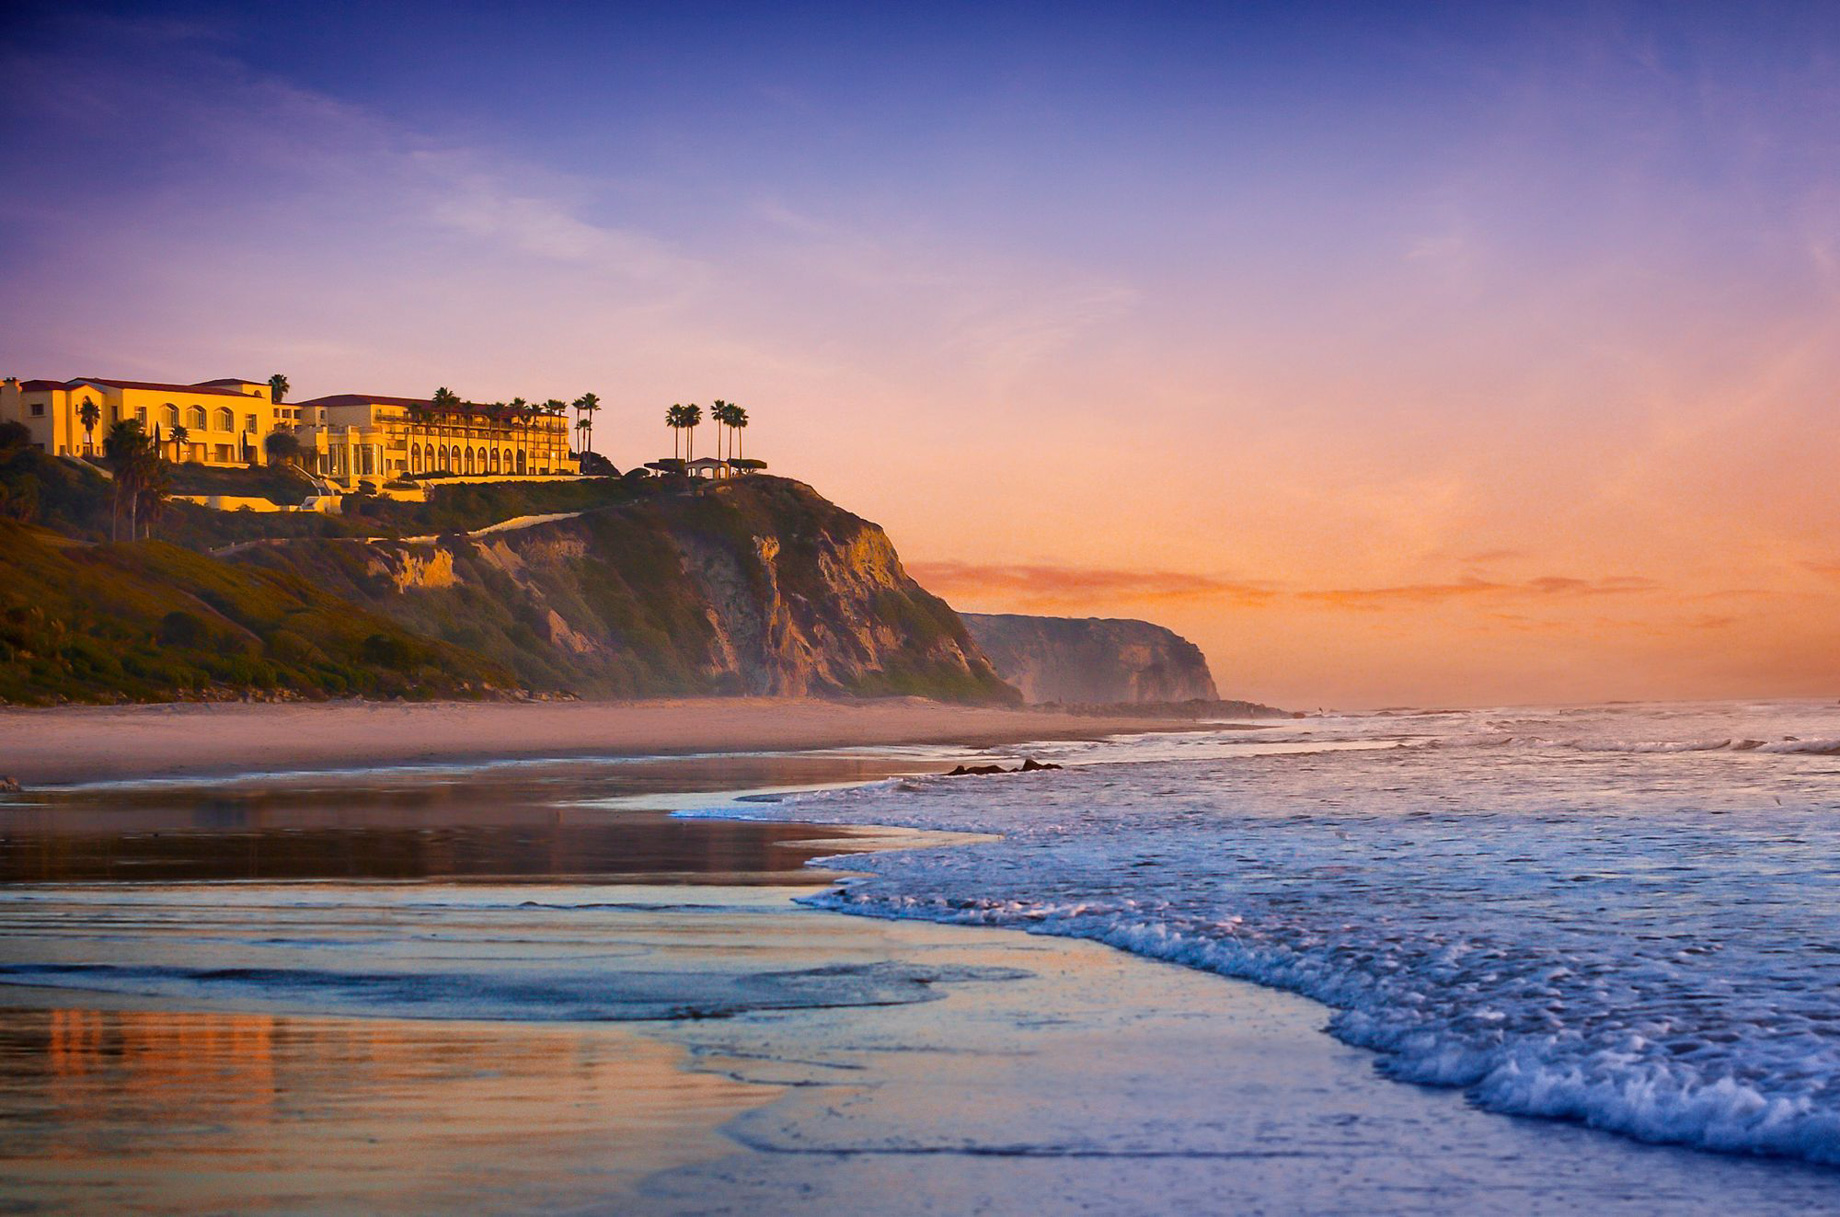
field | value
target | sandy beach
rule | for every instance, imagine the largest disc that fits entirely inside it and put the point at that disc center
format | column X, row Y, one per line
column 526, row 988
column 101, row 743
column 828, row 1060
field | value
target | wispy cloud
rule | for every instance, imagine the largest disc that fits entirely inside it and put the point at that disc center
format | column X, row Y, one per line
column 1041, row 586
column 1069, row 586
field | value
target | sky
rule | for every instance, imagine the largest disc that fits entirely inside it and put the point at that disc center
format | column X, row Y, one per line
column 1397, row 354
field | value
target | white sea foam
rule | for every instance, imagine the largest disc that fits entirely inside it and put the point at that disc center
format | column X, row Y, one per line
column 1623, row 916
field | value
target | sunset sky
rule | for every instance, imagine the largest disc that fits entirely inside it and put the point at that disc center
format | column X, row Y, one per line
column 1396, row 354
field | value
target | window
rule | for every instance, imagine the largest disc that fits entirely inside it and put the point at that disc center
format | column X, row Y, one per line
column 250, row 424
column 169, row 414
column 140, row 415
column 194, row 418
column 38, row 409
column 223, row 420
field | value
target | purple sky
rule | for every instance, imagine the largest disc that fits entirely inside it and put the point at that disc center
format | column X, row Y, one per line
column 1434, row 352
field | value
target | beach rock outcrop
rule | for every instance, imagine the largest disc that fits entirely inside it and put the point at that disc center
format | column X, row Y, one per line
column 1092, row 660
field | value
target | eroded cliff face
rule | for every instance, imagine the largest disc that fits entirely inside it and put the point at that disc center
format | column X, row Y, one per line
column 1093, row 660
column 756, row 586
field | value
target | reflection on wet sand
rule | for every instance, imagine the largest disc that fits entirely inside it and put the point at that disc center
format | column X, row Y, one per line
column 176, row 1112
column 530, row 821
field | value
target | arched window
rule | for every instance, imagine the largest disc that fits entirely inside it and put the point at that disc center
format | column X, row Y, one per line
column 194, row 418
column 469, row 460
column 224, row 419
column 495, row 460
column 415, row 459
column 508, row 459
column 169, row 415
column 520, row 461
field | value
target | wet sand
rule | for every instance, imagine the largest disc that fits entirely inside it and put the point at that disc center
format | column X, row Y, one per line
column 1028, row 1075
column 532, row 822
column 539, row 1014
column 89, row 743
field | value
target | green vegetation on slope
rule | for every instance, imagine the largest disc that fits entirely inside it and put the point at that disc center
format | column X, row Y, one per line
column 150, row 621
column 750, row 586
column 673, row 594
column 465, row 506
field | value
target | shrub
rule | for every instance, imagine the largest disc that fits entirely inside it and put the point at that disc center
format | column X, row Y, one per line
column 182, row 629
column 387, row 651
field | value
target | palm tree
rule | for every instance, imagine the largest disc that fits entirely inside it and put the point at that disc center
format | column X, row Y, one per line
column 277, row 388
column 737, row 421
column 718, row 414
column 582, row 427
column 674, row 419
column 89, row 414
column 693, row 414
column 150, row 495
column 585, row 406
column 132, row 459
column 445, row 399
column 179, row 435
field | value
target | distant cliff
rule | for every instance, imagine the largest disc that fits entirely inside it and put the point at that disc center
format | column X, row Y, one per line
column 754, row 586
column 1093, row 660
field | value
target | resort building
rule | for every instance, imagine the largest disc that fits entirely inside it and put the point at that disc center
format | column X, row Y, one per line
column 219, row 422
column 353, row 436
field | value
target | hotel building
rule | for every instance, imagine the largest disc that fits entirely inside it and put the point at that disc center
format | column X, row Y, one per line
column 346, row 438
column 350, row 436
column 224, row 421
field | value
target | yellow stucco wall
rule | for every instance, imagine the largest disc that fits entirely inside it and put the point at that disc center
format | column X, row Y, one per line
column 224, row 428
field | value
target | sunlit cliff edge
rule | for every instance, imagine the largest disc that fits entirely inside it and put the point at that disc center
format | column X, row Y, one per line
column 754, row 586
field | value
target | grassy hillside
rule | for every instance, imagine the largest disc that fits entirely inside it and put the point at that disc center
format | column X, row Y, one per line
column 151, row 621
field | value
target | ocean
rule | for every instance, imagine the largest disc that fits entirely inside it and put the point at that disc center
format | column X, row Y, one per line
column 1626, row 916
column 622, row 985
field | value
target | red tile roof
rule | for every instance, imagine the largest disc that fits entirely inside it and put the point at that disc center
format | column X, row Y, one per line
column 364, row 399
column 228, row 380
column 39, row 386
column 373, row 399
column 160, row 388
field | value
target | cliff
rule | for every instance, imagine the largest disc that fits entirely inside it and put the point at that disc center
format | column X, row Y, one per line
column 1094, row 660
column 754, row 586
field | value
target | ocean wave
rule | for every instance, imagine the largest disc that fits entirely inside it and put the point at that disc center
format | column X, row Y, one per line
column 1592, row 934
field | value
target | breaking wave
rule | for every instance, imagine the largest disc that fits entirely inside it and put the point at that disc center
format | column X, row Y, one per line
column 1643, row 937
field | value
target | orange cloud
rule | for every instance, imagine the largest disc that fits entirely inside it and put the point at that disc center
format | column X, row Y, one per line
column 1041, row 586
column 1546, row 586
column 1079, row 587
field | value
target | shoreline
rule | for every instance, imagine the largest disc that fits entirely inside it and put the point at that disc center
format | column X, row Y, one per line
column 62, row 745
column 942, row 1067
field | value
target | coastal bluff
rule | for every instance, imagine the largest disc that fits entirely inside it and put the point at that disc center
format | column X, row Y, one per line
column 1092, row 660
column 604, row 587
column 753, row 587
